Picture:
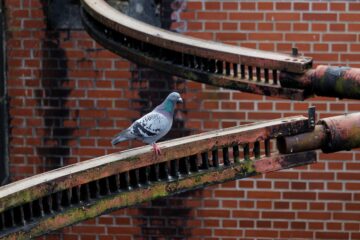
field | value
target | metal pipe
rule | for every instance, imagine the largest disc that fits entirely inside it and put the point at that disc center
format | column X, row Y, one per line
column 330, row 135
column 330, row 81
column 302, row 142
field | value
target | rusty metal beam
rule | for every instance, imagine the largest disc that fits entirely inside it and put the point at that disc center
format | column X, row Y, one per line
column 115, row 20
column 330, row 81
column 247, row 70
column 207, row 62
column 330, row 135
column 49, row 201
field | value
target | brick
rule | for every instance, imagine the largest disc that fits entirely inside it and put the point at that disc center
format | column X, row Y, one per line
column 230, row 36
column 317, row 175
column 246, row 224
column 320, row 6
column 348, row 176
column 246, row 16
column 282, row 26
column 194, row 6
column 347, row 216
column 263, row 116
column 317, row 206
column 265, row 5
column 263, row 195
column 261, row 233
column 355, row 6
column 213, row 213
column 283, row 5
column 351, row 17
column 228, row 232
column 229, row 194
column 265, row 36
column 331, row 235
column 283, row 16
column 247, row 5
column 319, row 27
column 305, row 37
column 281, row 205
column 264, row 204
column 245, row 214
column 263, row 224
column 232, row 6
column 301, row 6
column 298, row 27
column 212, row 5
column 212, row 16
column 334, row 206
column 350, row 57
column 299, row 195
column 278, row 215
column 297, row 234
column 281, row 224
column 339, row 37
column 265, row 26
column 320, row 17
column 314, row 215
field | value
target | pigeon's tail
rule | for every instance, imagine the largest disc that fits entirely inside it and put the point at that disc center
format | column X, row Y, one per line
column 119, row 138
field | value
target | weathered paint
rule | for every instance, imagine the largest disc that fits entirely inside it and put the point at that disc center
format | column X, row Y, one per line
column 303, row 142
column 35, row 187
column 215, row 79
column 343, row 132
column 159, row 189
column 330, row 81
column 330, row 135
column 105, row 14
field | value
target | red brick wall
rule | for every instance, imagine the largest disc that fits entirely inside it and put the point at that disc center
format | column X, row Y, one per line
column 69, row 96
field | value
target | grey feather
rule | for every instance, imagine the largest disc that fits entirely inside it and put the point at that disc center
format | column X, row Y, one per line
column 152, row 126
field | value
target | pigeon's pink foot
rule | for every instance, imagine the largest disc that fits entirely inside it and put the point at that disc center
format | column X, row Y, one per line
column 156, row 149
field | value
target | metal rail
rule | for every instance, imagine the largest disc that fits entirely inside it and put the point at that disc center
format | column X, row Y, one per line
column 203, row 61
column 55, row 199
column 248, row 70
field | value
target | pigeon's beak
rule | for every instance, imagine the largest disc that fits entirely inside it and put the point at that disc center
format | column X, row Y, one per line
column 179, row 100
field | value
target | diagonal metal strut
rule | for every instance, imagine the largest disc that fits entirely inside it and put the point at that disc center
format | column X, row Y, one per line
column 53, row 200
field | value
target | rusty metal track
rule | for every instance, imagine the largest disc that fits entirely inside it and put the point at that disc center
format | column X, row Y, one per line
column 49, row 201
column 208, row 62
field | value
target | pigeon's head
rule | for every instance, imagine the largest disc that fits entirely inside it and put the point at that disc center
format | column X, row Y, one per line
column 174, row 97
column 170, row 102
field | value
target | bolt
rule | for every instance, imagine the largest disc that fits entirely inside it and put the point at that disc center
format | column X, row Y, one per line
column 294, row 51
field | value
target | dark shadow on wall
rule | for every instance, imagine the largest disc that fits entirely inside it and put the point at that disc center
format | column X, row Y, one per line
column 163, row 218
column 52, row 99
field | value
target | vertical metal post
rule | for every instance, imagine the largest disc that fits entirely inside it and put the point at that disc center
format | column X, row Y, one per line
column 4, row 162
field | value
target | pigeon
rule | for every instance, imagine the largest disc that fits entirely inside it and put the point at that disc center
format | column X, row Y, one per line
column 152, row 126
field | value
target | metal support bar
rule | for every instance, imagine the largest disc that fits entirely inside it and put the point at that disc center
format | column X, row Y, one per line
column 330, row 135
column 330, row 81
column 194, row 59
column 77, row 192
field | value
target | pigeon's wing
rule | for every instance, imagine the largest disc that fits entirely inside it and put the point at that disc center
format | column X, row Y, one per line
column 151, row 127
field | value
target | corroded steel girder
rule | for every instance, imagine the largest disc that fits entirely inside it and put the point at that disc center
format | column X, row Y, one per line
column 330, row 135
column 341, row 82
column 238, row 68
column 52, row 200
column 214, row 63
